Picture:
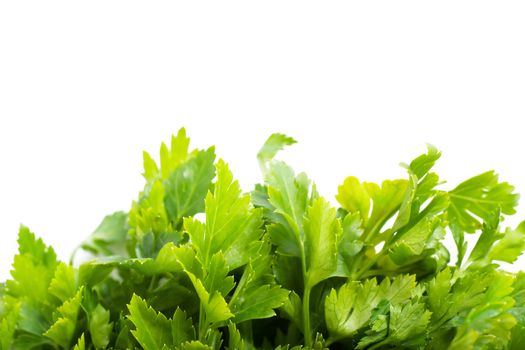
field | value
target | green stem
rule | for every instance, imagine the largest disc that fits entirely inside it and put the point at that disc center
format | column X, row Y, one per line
column 152, row 283
column 202, row 323
column 306, row 317
column 378, row 345
column 355, row 265
column 369, row 264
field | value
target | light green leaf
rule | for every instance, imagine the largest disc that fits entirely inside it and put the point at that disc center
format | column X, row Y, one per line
column 350, row 308
column 217, row 278
column 292, row 309
column 404, row 328
column 171, row 159
column 194, row 345
column 34, row 259
column 475, row 198
column 8, row 321
column 438, row 300
column 81, row 344
column 187, row 185
column 109, row 237
column 413, row 242
column 406, row 211
column 350, row 244
column 33, row 269
column 151, row 171
column 152, row 329
column 386, row 201
column 289, row 195
column 236, row 342
column 488, row 236
column 518, row 311
column 100, row 327
column 353, row 196
column 322, row 231
column 213, row 302
column 256, row 295
column 182, row 329
column 232, row 226
column 408, row 322
column 259, row 303
column 510, row 246
column 63, row 330
column 63, row 285
column 421, row 165
column 275, row 143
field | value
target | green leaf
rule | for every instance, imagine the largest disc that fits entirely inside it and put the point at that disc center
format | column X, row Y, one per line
column 81, row 344
column 421, row 165
column 8, row 321
column 152, row 329
column 386, row 201
column 182, row 329
column 124, row 338
column 438, row 300
column 476, row 301
column 215, row 307
column 350, row 308
column 258, row 302
column 33, row 270
column 518, row 311
column 292, row 309
column 290, row 196
column 275, row 143
column 100, row 327
column 413, row 242
column 232, row 226
column 510, row 246
column 33, row 259
column 488, row 236
column 408, row 322
column 350, row 244
column 217, row 279
column 405, row 326
column 406, row 210
column 194, row 345
column 256, row 295
column 63, row 330
column 187, row 185
column 109, row 237
column 321, row 233
column 495, row 246
column 168, row 195
column 171, row 159
column 475, row 198
column 236, row 342
column 63, row 285
column 354, row 197
column 148, row 221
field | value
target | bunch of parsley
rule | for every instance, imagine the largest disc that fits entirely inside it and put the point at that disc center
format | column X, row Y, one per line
column 279, row 268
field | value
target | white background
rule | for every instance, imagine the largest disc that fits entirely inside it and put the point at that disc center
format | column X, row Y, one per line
column 85, row 87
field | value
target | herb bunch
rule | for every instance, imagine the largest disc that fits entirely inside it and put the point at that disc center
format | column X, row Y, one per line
column 278, row 268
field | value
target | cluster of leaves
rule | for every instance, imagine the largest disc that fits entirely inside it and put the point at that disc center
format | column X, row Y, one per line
column 197, row 264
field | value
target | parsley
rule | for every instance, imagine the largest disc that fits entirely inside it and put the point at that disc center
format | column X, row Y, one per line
column 197, row 264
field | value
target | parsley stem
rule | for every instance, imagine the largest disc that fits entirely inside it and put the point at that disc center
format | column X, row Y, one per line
column 378, row 345
column 306, row 317
column 202, row 322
